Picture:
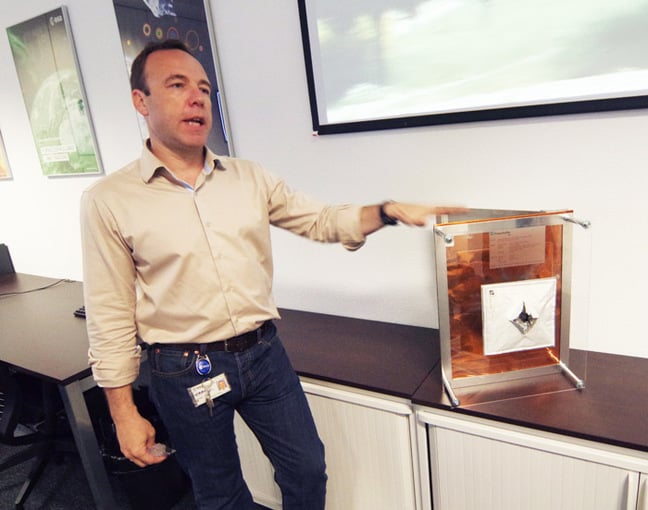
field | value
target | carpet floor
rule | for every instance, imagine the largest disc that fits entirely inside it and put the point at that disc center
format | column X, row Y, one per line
column 63, row 486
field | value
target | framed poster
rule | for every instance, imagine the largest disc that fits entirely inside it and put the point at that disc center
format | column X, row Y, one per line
column 47, row 67
column 187, row 20
column 5, row 171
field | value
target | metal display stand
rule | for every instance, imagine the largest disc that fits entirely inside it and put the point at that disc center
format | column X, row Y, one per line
column 504, row 296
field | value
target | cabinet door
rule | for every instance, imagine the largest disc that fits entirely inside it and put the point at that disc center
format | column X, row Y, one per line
column 471, row 471
column 642, row 503
column 369, row 453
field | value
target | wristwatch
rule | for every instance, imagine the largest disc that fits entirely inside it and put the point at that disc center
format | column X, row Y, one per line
column 386, row 218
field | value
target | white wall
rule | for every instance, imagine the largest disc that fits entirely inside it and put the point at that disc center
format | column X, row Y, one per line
column 592, row 163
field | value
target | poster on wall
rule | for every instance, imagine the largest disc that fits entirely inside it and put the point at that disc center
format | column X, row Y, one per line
column 45, row 58
column 141, row 22
column 5, row 172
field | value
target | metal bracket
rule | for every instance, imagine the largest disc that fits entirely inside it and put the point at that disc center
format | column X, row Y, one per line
column 583, row 223
column 447, row 238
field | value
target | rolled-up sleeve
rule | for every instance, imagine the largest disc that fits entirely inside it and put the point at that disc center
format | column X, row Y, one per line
column 109, row 295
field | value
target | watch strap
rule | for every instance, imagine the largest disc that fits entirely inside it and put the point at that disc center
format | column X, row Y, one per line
column 386, row 218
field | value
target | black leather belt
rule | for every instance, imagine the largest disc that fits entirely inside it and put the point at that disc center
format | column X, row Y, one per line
column 237, row 343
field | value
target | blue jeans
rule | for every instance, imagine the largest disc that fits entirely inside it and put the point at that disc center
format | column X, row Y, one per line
column 268, row 396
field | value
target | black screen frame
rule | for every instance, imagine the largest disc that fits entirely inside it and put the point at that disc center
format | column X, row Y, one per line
column 607, row 104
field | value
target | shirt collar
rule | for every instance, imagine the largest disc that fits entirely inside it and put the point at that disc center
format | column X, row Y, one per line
column 149, row 164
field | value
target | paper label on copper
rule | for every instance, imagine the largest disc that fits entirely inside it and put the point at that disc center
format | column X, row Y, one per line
column 519, row 247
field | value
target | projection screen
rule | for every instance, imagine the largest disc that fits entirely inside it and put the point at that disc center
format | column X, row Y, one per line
column 381, row 64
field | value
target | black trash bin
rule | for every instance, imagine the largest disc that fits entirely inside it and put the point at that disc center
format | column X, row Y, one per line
column 155, row 487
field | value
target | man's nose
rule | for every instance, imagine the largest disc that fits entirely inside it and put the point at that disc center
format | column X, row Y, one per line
column 198, row 97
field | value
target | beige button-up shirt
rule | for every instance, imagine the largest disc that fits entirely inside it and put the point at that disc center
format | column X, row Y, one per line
column 164, row 262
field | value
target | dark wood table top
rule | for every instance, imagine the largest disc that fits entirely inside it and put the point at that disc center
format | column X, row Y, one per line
column 404, row 361
column 377, row 356
column 612, row 408
column 40, row 334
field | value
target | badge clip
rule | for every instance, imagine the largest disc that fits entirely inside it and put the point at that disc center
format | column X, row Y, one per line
column 203, row 365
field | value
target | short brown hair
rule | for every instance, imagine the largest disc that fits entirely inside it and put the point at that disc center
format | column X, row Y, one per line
column 137, row 78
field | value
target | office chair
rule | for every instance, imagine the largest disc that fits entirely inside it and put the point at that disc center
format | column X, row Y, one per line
column 6, row 265
column 27, row 400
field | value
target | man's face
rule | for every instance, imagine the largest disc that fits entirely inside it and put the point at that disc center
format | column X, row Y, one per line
column 178, row 108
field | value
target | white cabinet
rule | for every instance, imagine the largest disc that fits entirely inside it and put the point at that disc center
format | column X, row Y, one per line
column 642, row 497
column 383, row 453
column 370, row 451
column 494, row 466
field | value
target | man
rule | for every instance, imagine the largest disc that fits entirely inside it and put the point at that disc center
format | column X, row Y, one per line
column 177, row 256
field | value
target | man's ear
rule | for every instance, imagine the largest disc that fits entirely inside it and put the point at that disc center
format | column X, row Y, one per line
column 139, row 101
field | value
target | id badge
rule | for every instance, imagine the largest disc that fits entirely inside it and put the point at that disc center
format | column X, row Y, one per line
column 209, row 390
